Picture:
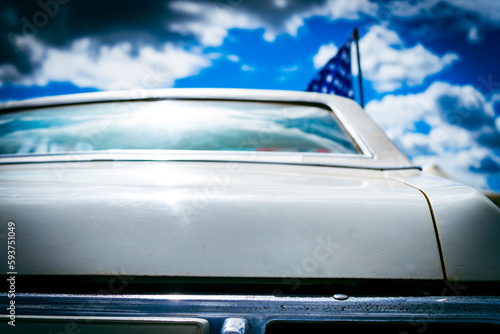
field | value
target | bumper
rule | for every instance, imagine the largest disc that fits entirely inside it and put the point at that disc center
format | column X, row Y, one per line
column 246, row 313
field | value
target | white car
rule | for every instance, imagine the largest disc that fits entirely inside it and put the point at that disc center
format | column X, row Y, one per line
column 232, row 211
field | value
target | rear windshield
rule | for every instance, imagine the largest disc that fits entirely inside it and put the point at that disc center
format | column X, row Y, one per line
column 174, row 125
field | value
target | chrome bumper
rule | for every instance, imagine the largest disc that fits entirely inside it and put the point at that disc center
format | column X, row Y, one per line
column 249, row 313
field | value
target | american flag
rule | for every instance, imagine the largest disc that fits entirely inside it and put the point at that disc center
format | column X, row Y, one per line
column 335, row 77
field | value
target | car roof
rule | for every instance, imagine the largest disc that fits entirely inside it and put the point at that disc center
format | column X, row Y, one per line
column 377, row 150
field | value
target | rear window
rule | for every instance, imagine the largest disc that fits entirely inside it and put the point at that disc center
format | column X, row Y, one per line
column 174, row 125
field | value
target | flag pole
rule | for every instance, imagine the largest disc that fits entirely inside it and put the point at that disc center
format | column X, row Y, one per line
column 360, row 77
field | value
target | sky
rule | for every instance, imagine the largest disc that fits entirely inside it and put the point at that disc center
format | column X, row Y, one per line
column 431, row 78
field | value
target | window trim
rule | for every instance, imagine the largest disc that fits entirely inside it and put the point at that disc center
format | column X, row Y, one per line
column 376, row 150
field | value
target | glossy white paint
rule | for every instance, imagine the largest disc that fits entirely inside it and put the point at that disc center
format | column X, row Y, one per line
column 263, row 214
column 468, row 224
column 217, row 220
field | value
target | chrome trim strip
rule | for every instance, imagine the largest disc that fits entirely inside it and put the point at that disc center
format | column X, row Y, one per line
column 186, row 154
column 344, row 161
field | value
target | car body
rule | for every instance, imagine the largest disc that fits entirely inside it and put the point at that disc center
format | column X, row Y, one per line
column 314, row 219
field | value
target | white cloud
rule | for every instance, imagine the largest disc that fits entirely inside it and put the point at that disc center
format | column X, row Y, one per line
column 441, row 104
column 280, row 3
column 473, row 35
column 110, row 67
column 210, row 22
column 233, row 58
column 387, row 62
column 447, row 110
column 325, row 52
column 389, row 65
column 8, row 73
column 473, row 17
column 495, row 101
column 333, row 9
column 336, row 9
column 487, row 9
column 246, row 68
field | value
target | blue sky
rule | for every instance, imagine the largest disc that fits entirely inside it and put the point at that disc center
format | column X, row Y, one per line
column 430, row 68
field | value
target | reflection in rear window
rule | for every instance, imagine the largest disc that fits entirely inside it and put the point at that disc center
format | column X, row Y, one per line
column 173, row 125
